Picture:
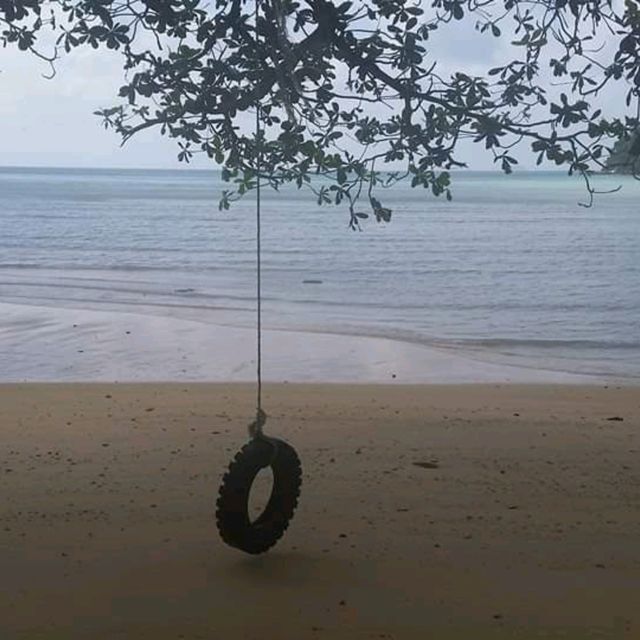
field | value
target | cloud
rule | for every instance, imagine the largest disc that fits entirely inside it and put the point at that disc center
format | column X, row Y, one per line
column 47, row 122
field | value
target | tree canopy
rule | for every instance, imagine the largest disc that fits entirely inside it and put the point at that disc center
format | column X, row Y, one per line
column 354, row 92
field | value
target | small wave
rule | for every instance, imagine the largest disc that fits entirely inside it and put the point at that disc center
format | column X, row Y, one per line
column 496, row 343
column 122, row 295
column 103, row 267
column 122, row 305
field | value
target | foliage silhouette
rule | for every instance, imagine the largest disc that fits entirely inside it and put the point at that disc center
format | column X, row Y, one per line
column 352, row 92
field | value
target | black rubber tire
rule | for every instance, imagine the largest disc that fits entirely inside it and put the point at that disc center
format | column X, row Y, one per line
column 232, row 515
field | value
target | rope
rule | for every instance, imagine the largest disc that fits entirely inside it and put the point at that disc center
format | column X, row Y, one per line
column 255, row 428
column 261, row 417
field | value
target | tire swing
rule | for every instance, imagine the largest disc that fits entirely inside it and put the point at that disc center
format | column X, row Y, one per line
column 232, row 514
column 232, row 507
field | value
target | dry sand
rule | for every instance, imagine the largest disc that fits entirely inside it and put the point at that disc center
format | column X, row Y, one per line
column 528, row 527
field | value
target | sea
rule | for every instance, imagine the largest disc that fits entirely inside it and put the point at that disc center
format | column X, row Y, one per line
column 512, row 270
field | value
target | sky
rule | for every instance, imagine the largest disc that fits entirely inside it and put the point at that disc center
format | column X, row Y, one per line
column 50, row 122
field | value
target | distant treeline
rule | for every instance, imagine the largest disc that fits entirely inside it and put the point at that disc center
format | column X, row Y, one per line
column 625, row 155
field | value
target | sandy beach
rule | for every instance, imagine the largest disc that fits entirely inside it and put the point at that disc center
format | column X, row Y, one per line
column 523, row 524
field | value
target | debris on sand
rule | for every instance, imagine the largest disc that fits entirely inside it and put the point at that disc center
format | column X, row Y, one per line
column 431, row 464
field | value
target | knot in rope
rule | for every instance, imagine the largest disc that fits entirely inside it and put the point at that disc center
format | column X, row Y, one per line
column 255, row 427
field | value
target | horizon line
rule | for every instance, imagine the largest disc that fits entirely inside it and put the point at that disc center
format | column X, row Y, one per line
column 187, row 169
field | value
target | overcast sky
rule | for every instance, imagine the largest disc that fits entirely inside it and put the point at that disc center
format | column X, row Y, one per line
column 51, row 122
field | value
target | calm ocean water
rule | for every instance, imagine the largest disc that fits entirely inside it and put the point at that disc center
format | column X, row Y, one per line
column 512, row 270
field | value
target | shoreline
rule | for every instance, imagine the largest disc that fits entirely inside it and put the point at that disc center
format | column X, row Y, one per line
column 56, row 344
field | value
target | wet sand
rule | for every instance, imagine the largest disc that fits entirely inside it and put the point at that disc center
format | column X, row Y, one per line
column 524, row 523
column 46, row 344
